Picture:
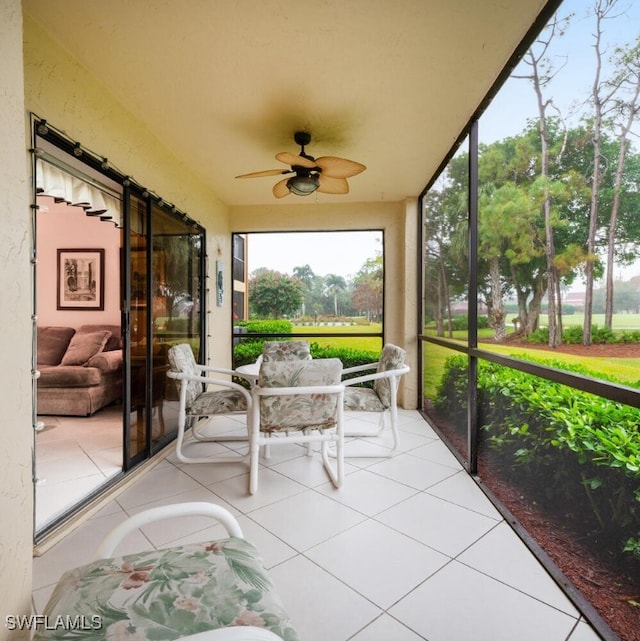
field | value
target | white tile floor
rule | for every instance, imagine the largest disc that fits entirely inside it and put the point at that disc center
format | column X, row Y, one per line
column 408, row 549
column 74, row 457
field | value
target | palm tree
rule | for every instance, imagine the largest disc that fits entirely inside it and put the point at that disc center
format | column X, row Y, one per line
column 305, row 275
column 334, row 285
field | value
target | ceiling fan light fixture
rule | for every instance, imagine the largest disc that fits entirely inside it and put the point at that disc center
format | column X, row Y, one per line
column 303, row 185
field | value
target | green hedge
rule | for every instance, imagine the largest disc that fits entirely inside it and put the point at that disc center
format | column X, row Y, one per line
column 263, row 327
column 578, row 446
column 573, row 335
column 248, row 352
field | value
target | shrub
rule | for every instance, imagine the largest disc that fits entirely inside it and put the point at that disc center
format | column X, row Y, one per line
column 540, row 336
column 573, row 335
column 632, row 336
column 603, row 335
column 460, row 322
column 350, row 357
column 245, row 353
column 263, row 327
column 582, row 446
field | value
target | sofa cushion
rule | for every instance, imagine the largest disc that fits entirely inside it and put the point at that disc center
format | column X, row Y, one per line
column 107, row 361
column 114, row 341
column 83, row 346
column 71, row 376
column 53, row 343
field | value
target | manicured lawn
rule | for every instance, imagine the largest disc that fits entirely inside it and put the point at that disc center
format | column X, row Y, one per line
column 373, row 344
column 619, row 322
column 626, row 370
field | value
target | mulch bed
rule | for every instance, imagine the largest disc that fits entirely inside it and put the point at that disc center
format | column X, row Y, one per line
column 611, row 585
column 613, row 350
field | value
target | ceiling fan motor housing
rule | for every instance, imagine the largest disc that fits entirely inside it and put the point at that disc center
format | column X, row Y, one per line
column 302, row 138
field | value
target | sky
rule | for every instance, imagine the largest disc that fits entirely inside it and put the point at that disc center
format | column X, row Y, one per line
column 573, row 60
column 341, row 253
column 515, row 102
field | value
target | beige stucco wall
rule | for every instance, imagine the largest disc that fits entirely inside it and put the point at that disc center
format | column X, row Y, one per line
column 16, row 433
column 62, row 92
column 51, row 85
column 398, row 221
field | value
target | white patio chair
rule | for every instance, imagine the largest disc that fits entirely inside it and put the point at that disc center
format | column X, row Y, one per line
column 382, row 398
column 211, row 591
column 298, row 401
column 198, row 404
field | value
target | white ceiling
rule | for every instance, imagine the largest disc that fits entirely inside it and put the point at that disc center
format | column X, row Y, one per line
column 225, row 83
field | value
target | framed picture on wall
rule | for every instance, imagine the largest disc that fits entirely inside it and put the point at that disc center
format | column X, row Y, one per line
column 80, row 283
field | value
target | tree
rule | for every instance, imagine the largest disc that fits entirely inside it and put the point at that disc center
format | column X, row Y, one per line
column 627, row 77
column 334, row 285
column 274, row 295
column 446, row 242
column 540, row 76
column 305, row 275
column 602, row 97
column 367, row 288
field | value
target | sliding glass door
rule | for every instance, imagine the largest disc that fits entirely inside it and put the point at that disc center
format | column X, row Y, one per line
column 163, row 308
column 115, row 263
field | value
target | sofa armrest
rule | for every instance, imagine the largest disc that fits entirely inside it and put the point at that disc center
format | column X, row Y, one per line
column 107, row 361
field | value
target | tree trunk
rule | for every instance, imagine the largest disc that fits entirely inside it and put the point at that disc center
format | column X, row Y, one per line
column 533, row 317
column 599, row 102
column 615, row 205
column 497, row 310
column 555, row 337
column 440, row 305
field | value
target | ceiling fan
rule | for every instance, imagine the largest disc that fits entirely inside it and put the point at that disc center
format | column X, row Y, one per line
column 326, row 174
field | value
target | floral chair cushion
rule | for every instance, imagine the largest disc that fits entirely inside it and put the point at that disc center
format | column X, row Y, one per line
column 201, row 403
column 299, row 411
column 286, row 351
column 392, row 357
column 220, row 402
column 167, row 594
column 182, row 360
column 362, row 399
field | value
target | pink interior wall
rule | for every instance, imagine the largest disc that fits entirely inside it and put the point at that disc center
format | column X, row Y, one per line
column 60, row 226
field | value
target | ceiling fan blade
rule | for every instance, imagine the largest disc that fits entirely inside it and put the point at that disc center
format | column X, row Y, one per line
column 291, row 159
column 280, row 189
column 267, row 172
column 331, row 185
column 339, row 167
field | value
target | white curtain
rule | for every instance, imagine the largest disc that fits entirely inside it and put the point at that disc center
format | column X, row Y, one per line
column 64, row 187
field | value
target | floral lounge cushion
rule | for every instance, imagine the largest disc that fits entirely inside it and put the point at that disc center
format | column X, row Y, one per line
column 168, row 594
column 297, row 412
column 286, row 351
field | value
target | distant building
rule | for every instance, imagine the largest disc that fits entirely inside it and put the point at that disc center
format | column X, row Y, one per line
column 576, row 299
